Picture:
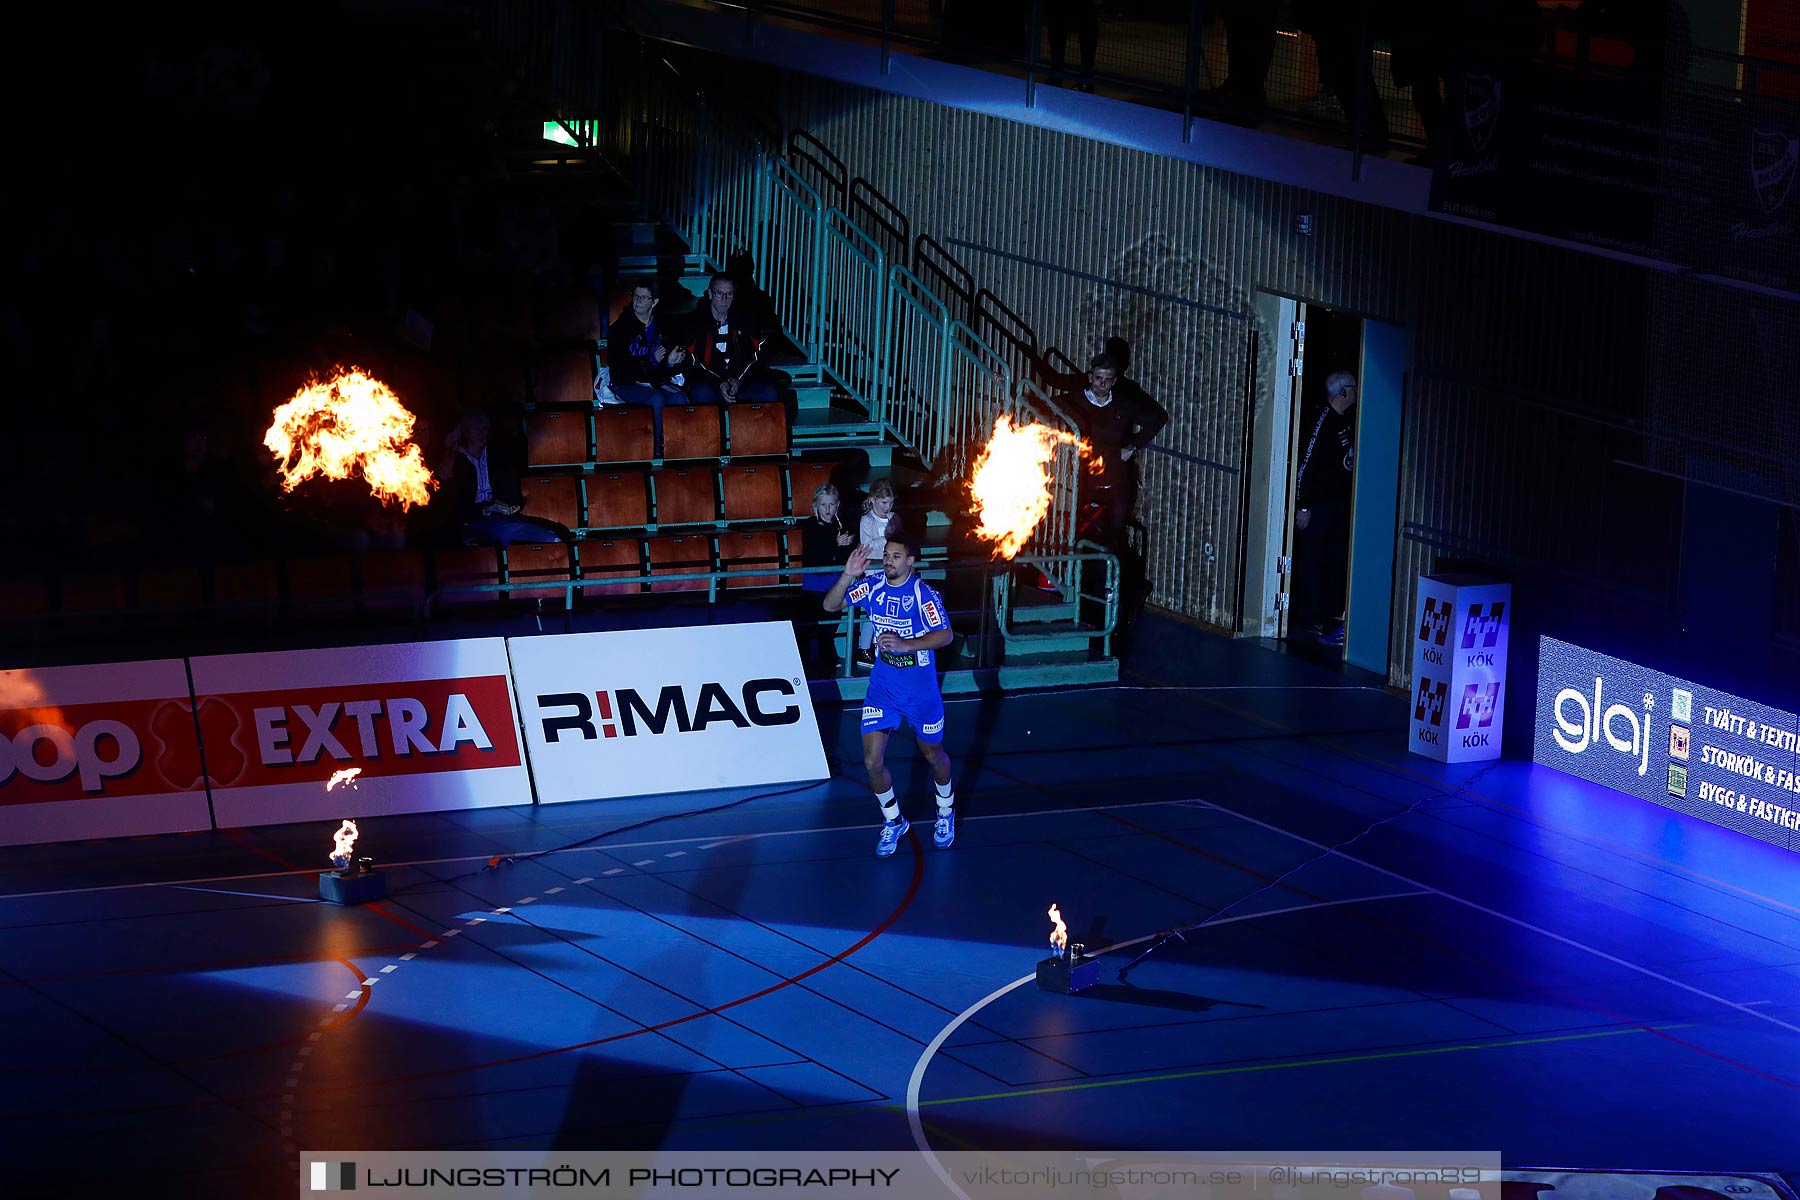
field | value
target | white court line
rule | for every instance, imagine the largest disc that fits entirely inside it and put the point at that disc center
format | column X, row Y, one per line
column 609, row 847
column 1537, row 929
column 956, row 1022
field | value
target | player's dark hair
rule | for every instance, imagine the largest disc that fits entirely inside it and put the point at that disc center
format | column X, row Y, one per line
column 907, row 540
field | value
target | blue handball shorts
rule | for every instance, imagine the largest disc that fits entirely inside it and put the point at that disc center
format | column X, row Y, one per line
column 923, row 710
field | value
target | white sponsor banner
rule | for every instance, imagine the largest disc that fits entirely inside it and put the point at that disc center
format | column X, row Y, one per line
column 107, row 750
column 1459, row 668
column 639, row 712
column 430, row 726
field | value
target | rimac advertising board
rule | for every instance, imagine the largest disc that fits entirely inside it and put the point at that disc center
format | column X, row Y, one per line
column 638, row 712
column 107, row 750
column 430, row 726
column 1670, row 741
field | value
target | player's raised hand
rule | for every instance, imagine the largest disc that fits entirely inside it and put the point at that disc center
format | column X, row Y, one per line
column 859, row 561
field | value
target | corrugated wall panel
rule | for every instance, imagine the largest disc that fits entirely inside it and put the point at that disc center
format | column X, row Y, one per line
column 1528, row 397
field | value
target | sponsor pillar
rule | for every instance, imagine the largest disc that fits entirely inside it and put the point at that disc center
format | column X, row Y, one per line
column 1459, row 667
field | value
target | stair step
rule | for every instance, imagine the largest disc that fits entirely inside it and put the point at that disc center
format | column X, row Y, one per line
column 1065, row 640
column 814, row 395
column 1042, row 614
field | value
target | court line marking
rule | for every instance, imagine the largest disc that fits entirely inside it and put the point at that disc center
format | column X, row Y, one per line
column 1521, row 923
column 1292, row 1064
column 957, row 1022
column 612, row 846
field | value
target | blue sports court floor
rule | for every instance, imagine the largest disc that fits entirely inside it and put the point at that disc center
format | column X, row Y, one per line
column 1507, row 960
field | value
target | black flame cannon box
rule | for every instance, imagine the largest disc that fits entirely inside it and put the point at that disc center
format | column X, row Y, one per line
column 357, row 883
column 1069, row 973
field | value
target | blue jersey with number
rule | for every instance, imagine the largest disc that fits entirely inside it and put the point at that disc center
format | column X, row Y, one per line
column 910, row 608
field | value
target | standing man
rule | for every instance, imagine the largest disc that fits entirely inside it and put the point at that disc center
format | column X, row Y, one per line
column 724, row 352
column 1322, row 526
column 904, row 684
column 1119, row 420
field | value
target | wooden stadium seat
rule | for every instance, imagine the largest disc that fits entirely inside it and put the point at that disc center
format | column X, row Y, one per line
column 548, row 563
column 495, row 383
column 171, row 595
column 24, row 596
column 751, row 558
column 692, row 431
column 685, row 496
column 617, row 500
column 320, row 586
column 555, row 498
column 392, row 581
column 753, row 493
column 556, row 438
column 250, row 589
column 757, row 430
column 570, row 316
column 563, row 376
column 679, row 554
column 456, row 569
column 624, row 433
column 92, row 591
column 506, row 321
column 611, row 558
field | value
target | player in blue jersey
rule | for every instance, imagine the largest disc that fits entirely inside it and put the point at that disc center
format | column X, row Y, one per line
column 911, row 623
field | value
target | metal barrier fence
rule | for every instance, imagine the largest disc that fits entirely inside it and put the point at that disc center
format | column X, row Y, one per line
column 876, row 331
column 995, row 632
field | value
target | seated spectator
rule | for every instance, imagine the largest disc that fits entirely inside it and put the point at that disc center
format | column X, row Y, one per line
column 724, row 352
column 639, row 359
column 826, row 541
column 878, row 524
column 481, row 486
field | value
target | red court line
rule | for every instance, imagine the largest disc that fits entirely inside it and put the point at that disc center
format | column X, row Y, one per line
column 352, row 1013
column 1427, row 940
column 912, row 890
column 221, row 964
column 377, row 908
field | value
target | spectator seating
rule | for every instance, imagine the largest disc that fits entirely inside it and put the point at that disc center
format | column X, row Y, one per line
column 679, row 554
column 549, row 564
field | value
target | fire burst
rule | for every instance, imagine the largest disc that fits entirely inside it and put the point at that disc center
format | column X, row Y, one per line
column 351, row 423
column 347, row 775
column 1011, row 484
column 1059, row 936
column 343, row 842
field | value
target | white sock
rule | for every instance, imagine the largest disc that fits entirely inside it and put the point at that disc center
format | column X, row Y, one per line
column 946, row 795
column 890, row 807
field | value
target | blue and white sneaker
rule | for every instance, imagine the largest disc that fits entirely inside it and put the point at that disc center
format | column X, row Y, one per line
column 944, row 832
column 891, row 833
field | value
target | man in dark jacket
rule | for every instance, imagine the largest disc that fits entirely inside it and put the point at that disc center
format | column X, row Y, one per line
column 724, row 354
column 481, row 490
column 1322, row 524
column 1118, row 418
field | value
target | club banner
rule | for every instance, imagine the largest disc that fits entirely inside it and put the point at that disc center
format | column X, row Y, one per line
column 645, row 711
column 1670, row 741
column 428, row 727
column 1459, row 668
column 98, row 751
